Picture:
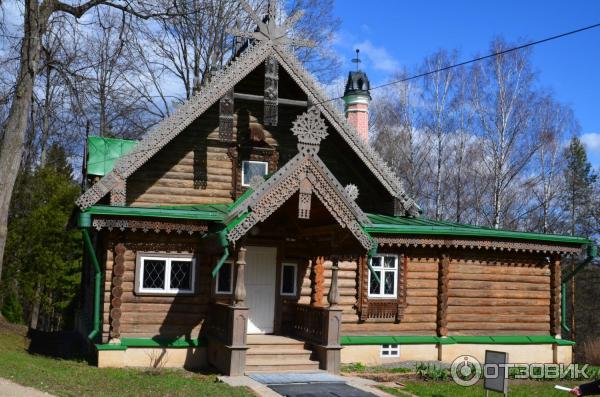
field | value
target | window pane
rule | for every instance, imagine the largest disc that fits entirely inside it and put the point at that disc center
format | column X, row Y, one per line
column 389, row 261
column 388, row 284
column 224, row 278
column 288, row 279
column 252, row 169
column 154, row 274
column 376, row 261
column 375, row 286
column 181, row 275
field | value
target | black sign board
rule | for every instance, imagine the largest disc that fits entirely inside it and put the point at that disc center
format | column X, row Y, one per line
column 495, row 372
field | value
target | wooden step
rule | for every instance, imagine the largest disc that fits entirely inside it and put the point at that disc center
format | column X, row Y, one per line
column 269, row 350
column 279, row 359
column 258, row 340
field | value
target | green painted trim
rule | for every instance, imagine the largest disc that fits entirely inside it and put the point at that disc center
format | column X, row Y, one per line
column 237, row 221
column 163, row 342
column 157, row 212
column 87, row 241
column 450, row 340
column 110, row 347
column 422, row 226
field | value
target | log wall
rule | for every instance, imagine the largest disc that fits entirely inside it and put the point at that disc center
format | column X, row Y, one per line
column 149, row 316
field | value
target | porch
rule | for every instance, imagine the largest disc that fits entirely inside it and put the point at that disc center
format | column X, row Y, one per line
column 306, row 337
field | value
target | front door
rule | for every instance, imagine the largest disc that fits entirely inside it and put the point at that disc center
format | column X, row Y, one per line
column 260, row 288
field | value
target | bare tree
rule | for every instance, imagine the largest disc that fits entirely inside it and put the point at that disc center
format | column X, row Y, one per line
column 502, row 99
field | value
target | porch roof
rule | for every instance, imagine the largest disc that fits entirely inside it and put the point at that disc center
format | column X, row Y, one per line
column 384, row 224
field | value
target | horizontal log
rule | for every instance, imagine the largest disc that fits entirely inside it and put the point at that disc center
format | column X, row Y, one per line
column 425, row 301
column 506, row 277
column 162, row 318
column 158, row 330
column 150, row 176
column 421, row 292
column 479, row 325
column 413, row 309
column 515, row 310
column 419, row 318
column 388, row 327
column 164, row 308
column 515, row 294
column 531, row 271
column 423, row 267
column 453, row 301
column 422, row 284
column 190, row 300
column 498, row 318
column 154, row 199
column 410, row 275
column 487, row 285
column 176, row 191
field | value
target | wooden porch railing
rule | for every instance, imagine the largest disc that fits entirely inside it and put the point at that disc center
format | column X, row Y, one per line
column 219, row 324
column 304, row 322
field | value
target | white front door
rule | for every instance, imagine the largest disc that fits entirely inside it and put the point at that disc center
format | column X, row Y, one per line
column 260, row 288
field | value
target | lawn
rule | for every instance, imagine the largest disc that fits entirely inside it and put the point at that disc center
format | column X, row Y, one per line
column 450, row 389
column 78, row 378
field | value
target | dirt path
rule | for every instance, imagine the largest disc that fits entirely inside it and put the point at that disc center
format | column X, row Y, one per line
column 11, row 389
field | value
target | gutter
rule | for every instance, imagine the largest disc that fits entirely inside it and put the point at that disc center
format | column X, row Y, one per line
column 85, row 222
column 222, row 235
column 592, row 252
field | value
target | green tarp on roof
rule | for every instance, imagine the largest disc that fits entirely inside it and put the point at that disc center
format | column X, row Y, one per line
column 103, row 152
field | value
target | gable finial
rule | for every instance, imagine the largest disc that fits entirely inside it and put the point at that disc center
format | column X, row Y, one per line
column 269, row 30
column 357, row 60
column 311, row 129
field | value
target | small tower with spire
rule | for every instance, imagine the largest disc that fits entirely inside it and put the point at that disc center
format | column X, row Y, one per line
column 357, row 98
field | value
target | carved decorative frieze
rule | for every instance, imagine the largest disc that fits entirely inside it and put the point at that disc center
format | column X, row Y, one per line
column 146, row 226
column 304, row 199
column 271, row 100
column 475, row 243
column 226, row 117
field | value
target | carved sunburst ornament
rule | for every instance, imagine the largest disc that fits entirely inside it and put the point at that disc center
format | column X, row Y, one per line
column 269, row 30
column 310, row 128
column 351, row 191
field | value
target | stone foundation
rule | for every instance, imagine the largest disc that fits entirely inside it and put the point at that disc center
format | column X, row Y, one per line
column 189, row 358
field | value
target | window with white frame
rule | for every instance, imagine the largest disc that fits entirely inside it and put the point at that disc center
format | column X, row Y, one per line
column 251, row 169
column 165, row 275
column 288, row 278
column 390, row 351
column 224, row 281
column 383, row 277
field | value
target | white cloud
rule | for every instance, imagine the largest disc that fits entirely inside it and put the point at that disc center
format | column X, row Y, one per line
column 378, row 57
column 591, row 141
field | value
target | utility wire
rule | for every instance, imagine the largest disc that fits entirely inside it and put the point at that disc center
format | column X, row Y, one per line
column 495, row 54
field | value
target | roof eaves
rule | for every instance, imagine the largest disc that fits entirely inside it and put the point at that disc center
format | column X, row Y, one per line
column 157, row 212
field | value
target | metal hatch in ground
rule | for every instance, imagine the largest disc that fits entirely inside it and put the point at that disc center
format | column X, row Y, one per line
column 317, row 384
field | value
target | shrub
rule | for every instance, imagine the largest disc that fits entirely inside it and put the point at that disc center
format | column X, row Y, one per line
column 431, row 372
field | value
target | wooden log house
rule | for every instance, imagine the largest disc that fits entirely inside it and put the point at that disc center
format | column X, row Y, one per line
column 255, row 229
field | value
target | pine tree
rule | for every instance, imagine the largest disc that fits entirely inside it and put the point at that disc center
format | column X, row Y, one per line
column 579, row 184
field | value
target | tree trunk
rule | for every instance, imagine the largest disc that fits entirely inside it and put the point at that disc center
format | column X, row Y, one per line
column 16, row 123
column 35, row 307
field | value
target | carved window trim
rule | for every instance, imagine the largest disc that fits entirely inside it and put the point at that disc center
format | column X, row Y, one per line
column 381, row 309
column 168, row 258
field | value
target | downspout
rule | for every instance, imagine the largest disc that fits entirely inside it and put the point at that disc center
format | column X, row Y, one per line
column 222, row 235
column 592, row 252
column 85, row 222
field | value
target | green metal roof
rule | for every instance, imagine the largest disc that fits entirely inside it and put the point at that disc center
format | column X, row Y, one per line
column 210, row 212
column 103, row 152
column 384, row 224
column 450, row 340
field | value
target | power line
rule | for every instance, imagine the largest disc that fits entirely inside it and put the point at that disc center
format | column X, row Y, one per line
column 495, row 54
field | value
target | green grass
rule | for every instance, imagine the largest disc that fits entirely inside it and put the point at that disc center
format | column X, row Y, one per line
column 75, row 378
column 361, row 368
column 450, row 389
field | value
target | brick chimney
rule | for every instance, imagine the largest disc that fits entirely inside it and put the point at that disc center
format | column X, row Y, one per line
column 357, row 99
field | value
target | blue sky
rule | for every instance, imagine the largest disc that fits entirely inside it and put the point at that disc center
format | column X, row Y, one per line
column 396, row 33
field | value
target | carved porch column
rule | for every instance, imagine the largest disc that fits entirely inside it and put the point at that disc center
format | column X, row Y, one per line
column 318, row 279
column 329, row 350
column 227, row 346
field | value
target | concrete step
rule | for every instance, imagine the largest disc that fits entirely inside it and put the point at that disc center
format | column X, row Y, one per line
column 279, row 359
column 277, row 349
column 261, row 340
column 313, row 366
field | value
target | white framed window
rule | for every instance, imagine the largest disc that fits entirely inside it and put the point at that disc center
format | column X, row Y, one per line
column 251, row 168
column 390, row 351
column 386, row 268
column 165, row 274
column 224, row 280
column 289, row 274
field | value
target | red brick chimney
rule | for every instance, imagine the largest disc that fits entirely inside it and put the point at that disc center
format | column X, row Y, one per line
column 356, row 100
